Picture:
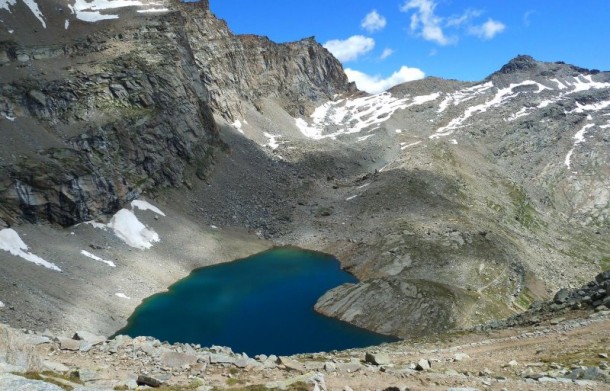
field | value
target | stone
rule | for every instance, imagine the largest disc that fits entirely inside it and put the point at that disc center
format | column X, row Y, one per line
column 145, row 380
column 377, row 358
column 55, row 366
column 89, row 337
column 561, row 296
column 291, row 364
column 603, row 276
column 13, row 382
column 177, row 360
column 423, row 365
column 588, row 373
column 219, row 358
column 556, row 321
column 546, row 379
column 460, row 357
column 314, row 365
column 349, row 367
column 462, row 389
column 330, row 366
column 69, row 344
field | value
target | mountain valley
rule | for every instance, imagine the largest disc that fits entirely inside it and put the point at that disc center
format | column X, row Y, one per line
column 139, row 147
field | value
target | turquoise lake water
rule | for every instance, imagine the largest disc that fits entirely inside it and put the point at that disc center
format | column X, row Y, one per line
column 258, row 305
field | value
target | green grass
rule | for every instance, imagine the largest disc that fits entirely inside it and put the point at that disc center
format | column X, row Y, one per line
column 604, row 263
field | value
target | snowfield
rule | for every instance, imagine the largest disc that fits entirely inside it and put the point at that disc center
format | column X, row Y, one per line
column 91, row 10
column 11, row 241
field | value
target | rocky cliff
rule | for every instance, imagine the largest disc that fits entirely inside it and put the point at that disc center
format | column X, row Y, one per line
column 123, row 106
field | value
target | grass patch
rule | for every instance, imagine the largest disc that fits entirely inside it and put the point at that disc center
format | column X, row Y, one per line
column 604, row 263
column 525, row 299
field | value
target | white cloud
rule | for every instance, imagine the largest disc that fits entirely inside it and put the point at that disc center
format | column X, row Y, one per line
column 387, row 52
column 487, row 30
column 431, row 27
column 467, row 16
column 351, row 48
column 373, row 22
column 425, row 22
column 376, row 83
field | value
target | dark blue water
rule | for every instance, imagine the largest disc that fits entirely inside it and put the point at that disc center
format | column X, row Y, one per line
column 261, row 304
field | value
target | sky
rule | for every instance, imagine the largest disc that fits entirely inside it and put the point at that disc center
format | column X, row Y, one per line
column 382, row 43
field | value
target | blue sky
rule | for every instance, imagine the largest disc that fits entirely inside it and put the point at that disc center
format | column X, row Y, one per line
column 464, row 40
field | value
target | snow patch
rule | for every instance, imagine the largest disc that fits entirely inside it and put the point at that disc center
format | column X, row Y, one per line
column 272, row 143
column 8, row 117
column 591, row 107
column 153, row 10
column 89, row 11
column 66, row 24
column 96, row 258
column 129, row 229
column 237, row 125
column 349, row 116
column 501, row 96
column 11, row 242
column 2, row 305
column 33, row 6
column 143, row 205
column 580, row 138
column 122, row 296
column 403, row 147
column 351, row 197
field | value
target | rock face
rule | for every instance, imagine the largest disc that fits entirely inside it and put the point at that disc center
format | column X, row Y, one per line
column 140, row 117
column 241, row 69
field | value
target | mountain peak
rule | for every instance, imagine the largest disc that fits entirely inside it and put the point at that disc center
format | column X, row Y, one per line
column 519, row 64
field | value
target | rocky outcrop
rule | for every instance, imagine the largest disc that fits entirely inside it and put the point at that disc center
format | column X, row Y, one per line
column 405, row 308
column 115, row 126
column 243, row 69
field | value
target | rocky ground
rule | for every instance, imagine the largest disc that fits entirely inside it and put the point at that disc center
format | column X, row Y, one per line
column 565, row 346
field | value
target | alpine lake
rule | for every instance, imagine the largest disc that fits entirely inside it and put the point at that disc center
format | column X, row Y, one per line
column 262, row 304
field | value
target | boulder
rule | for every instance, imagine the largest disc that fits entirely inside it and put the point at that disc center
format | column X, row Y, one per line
column 144, row 380
column 423, row 365
column 377, row 358
column 603, row 276
column 177, row 360
column 69, row 344
column 290, row 364
column 13, row 382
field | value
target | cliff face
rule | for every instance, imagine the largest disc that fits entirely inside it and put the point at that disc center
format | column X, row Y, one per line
column 245, row 68
column 126, row 106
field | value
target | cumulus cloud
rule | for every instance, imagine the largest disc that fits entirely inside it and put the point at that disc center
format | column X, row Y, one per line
column 488, row 30
column 373, row 22
column 374, row 84
column 425, row 22
column 351, row 48
column 387, row 52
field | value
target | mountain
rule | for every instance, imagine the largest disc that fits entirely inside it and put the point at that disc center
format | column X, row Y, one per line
column 159, row 142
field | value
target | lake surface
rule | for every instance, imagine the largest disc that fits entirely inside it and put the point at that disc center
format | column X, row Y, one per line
column 259, row 305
